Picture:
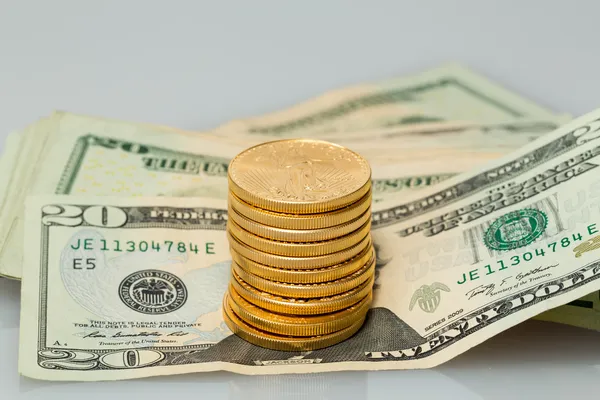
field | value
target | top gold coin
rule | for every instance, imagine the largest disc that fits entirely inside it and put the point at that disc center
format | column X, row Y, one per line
column 299, row 176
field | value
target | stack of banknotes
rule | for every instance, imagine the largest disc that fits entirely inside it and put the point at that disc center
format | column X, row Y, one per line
column 484, row 214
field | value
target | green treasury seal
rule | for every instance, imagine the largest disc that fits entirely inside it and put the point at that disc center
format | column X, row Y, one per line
column 515, row 229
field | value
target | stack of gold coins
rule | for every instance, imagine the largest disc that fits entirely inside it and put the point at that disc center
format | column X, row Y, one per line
column 303, row 262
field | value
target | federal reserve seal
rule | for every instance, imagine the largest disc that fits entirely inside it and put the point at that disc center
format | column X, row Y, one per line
column 515, row 229
column 153, row 292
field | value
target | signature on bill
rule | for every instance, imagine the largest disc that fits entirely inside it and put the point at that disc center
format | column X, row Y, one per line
column 505, row 285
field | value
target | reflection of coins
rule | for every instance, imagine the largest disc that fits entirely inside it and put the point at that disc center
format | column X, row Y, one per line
column 297, row 235
column 299, row 249
column 383, row 248
column 284, row 305
column 279, row 261
column 301, row 221
column 309, row 290
column 317, row 275
column 299, row 176
column 297, row 325
column 285, row 343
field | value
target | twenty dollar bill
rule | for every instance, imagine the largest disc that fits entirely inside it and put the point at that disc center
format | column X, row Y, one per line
column 119, row 288
column 449, row 92
column 85, row 156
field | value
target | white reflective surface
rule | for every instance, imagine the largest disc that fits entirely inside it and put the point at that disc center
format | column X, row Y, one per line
column 195, row 64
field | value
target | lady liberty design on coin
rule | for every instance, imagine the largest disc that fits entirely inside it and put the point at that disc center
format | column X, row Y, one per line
column 306, row 177
column 301, row 176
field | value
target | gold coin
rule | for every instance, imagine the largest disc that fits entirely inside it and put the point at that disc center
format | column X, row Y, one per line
column 299, row 176
column 298, row 235
column 285, row 305
column 310, row 290
column 299, row 249
column 305, row 275
column 301, row 221
column 284, row 343
column 278, row 261
column 293, row 325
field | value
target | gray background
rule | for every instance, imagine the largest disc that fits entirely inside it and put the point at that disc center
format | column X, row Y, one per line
column 196, row 64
